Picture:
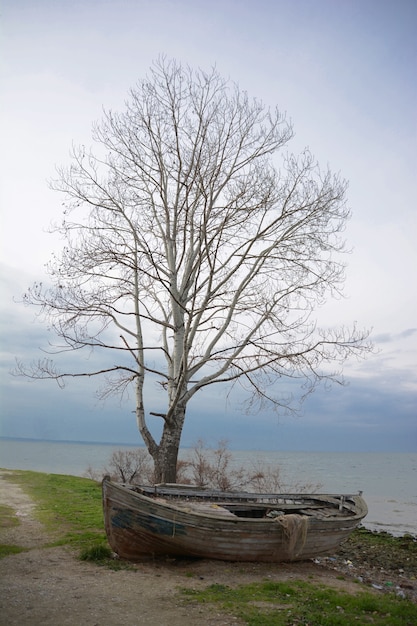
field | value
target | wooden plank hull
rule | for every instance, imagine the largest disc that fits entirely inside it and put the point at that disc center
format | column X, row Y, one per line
column 139, row 526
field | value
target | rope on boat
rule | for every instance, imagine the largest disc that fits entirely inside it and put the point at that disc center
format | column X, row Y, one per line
column 295, row 531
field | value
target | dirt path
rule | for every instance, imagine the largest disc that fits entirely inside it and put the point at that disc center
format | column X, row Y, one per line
column 50, row 586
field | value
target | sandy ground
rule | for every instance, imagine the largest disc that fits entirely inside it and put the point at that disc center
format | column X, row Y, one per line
column 50, row 586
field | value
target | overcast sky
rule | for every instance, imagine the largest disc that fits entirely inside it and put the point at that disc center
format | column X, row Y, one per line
column 345, row 73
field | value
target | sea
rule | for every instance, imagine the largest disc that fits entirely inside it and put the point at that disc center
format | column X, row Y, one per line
column 388, row 480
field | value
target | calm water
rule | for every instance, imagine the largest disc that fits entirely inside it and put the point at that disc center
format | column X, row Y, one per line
column 388, row 480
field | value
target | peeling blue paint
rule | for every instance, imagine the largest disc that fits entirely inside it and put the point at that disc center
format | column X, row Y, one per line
column 126, row 519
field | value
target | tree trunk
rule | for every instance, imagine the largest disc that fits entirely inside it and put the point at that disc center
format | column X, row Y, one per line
column 166, row 455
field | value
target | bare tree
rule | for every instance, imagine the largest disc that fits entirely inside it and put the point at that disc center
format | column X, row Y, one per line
column 213, row 468
column 193, row 255
column 129, row 466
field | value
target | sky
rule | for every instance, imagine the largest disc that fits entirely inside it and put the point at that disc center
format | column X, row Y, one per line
column 344, row 71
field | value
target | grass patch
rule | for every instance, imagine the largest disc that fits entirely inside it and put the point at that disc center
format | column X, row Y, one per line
column 297, row 602
column 8, row 518
column 96, row 553
column 102, row 555
column 6, row 549
column 69, row 507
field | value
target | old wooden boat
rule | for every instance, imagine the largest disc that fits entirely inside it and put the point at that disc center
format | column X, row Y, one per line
column 171, row 520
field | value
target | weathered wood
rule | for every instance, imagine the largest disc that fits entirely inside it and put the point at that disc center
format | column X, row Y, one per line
column 145, row 521
column 190, row 491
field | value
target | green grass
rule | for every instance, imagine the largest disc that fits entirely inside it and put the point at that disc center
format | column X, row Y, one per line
column 8, row 548
column 97, row 553
column 8, row 517
column 68, row 506
column 302, row 603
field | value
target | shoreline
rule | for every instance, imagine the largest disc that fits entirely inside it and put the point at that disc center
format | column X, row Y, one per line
column 387, row 481
column 374, row 526
column 50, row 585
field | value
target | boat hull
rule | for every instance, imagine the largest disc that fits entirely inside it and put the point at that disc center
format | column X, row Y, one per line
column 139, row 526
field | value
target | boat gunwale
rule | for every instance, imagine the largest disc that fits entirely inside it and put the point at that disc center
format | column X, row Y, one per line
column 358, row 503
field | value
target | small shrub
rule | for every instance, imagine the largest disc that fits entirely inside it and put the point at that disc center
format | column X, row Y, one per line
column 212, row 468
column 96, row 553
column 129, row 466
column 217, row 469
column 92, row 474
column 204, row 467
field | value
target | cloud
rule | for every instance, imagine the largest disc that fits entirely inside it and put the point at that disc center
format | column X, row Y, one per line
column 391, row 337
